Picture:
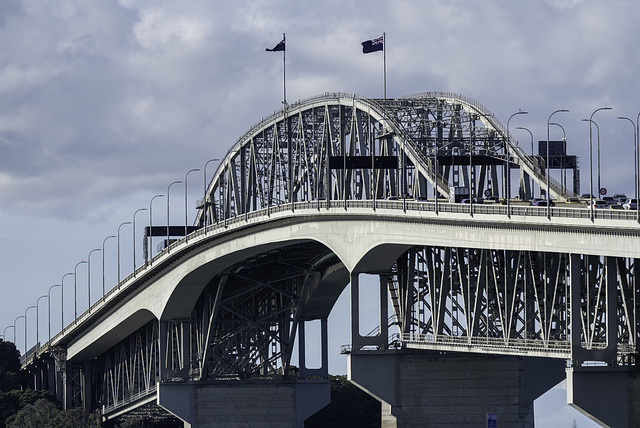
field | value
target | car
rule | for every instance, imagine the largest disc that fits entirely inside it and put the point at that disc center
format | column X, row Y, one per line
column 572, row 201
column 615, row 207
column 541, row 203
column 620, row 197
column 392, row 198
column 599, row 203
column 421, row 199
column 609, row 200
column 630, row 204
column 586, row 196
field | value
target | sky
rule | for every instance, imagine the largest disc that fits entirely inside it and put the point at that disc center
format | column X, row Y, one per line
column 104, row 104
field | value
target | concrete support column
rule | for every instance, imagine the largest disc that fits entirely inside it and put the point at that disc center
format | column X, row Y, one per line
column 453, row 389
column 323, row 370
column 357, row 340
column 609, row 396
column 51, row 376
column 162, row 347
column 87, row 386
column 278, row 403
column 67, row 386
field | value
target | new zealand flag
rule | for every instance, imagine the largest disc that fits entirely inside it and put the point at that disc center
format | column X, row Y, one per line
column 279, row 47
column 374, row 45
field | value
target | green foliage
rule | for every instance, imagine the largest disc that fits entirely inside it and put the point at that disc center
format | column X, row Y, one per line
column 11, row 402
column 350, row 407
column 44, row 413
column 10, row 375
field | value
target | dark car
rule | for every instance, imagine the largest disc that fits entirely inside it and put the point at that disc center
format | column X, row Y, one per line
column 541, row 203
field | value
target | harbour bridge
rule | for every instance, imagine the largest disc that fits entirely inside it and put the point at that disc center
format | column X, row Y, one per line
column 482, row 306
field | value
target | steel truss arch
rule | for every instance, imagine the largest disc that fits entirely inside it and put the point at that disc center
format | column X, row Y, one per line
column 341, row 146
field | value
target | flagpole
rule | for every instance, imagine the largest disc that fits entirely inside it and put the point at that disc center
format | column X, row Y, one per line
column 384, row 62
column 284, row 76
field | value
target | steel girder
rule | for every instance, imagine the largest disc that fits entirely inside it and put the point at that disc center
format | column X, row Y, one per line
column 517, row 302
column 439, row 140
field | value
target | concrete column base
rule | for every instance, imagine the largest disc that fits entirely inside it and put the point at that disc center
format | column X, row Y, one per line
column 252, row 403
column 609, row 396
column 453, row 389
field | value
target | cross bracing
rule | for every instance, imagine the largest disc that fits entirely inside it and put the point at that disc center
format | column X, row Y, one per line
column 438, row 141
column 519, row 302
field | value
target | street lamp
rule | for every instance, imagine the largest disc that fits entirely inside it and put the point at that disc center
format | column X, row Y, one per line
column 204, row 200
column 49, row 309
column 564, row 138
column 134, row 236
column 548, row 169
column 531, row 134
column 4, row 333
column 104, row 242
column 146, row 256
column 635, row 152
column 25, row 327
column 89, row 275
column 14, row 328
column 38, row 319
column 168, row 221
column 75, row 288
column 185, row 201
column 508, row 172
column 62, row 299
column 122, row 224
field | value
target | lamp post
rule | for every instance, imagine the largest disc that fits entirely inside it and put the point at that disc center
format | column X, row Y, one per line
column 38, row 319
column 590, row 120
column 508, row 172
column 168, row 221
column 25, row 327
column 185, row 201
column 598, row 152
column 134, row 236
column 103, row 243
column 548, row 166
column 62, row 299
column 89, row 275
column 49, row 309
column 4, row 333
column 121, row 224
column 75, row 288
column 531, row 134
column 204, row 200
column 564, row 138
column 147, row 256
column 14, row 327
column 635, row 157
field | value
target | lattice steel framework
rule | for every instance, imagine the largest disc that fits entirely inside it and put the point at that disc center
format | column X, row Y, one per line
column 517, row 302
column 330, row 147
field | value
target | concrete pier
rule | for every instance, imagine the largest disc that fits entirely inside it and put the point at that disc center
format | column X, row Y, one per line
column 252, row 403
column 453, row 390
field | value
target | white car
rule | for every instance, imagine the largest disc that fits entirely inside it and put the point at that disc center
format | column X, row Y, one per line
column 630, row 204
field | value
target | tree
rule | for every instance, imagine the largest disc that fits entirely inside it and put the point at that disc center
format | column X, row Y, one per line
column 10, row 374
column 45, row 413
